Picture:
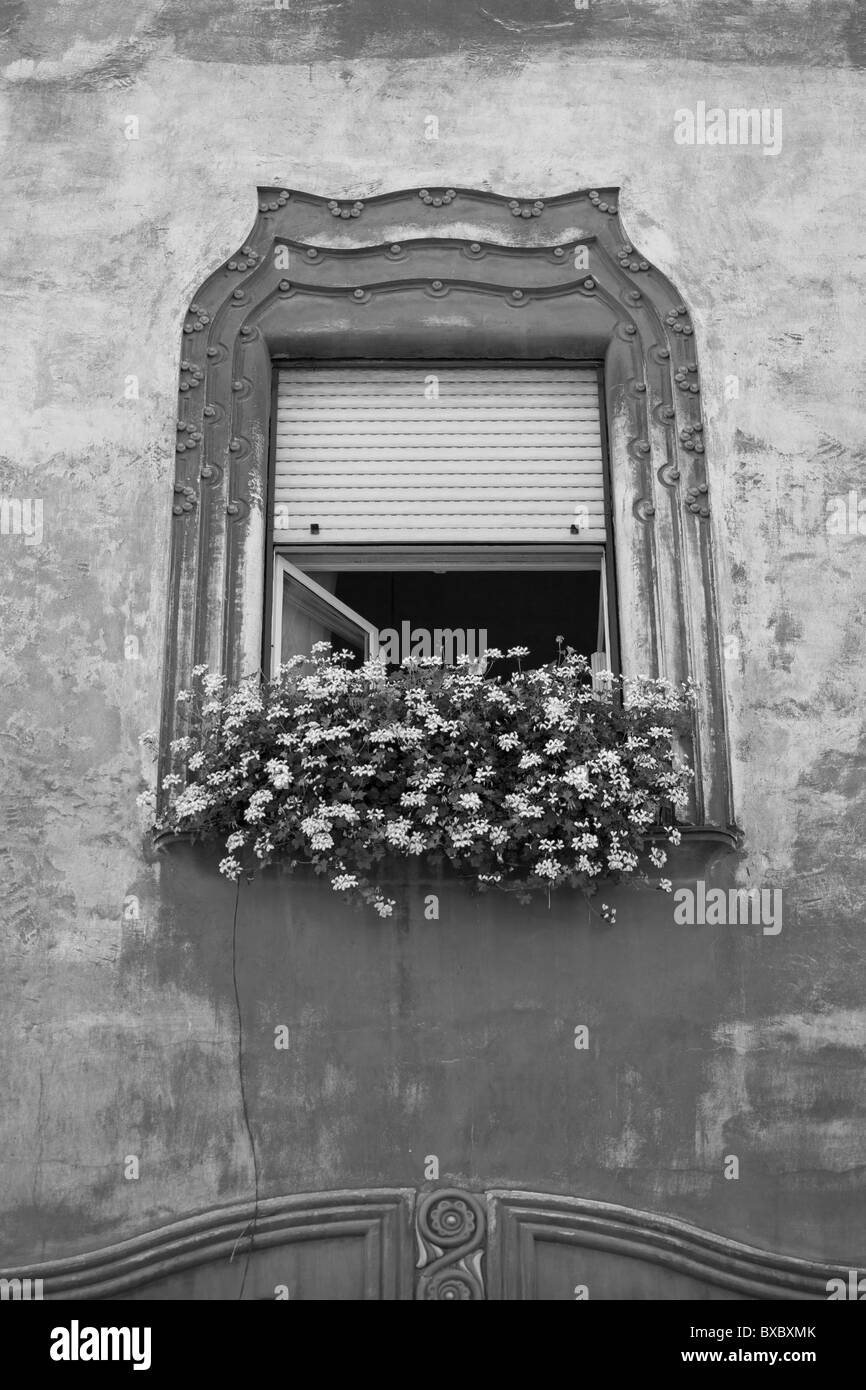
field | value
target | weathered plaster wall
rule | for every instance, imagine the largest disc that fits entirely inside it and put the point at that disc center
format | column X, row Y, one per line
column 120, row 1036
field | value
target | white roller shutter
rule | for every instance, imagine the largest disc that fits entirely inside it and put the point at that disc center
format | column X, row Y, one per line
column 371, row 454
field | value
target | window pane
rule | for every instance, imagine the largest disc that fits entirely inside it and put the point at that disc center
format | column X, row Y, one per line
column 307, row 619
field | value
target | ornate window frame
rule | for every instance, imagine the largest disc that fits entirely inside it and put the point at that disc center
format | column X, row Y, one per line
column 450, row 273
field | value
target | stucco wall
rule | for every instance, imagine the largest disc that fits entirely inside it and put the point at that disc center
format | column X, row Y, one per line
column 120, row 1036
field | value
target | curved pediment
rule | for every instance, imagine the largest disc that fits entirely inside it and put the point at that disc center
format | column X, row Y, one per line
column 440, row 1244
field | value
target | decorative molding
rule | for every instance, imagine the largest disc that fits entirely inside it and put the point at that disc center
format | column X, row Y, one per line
column 451, row 1227
column 519, row 209
column 381, row 1219
column 189, row 499
column 519, row 289
column 437, row 198
column 344, row 210
column 471, row 1245
column 525, row 1220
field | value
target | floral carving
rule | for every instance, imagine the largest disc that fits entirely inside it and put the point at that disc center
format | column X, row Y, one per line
column 345, row 210
column 681, row 377
column 182, row 490
column 677, row 320
column 629, row 258
column 519, row 209
column 437, row 199
column 451, row 1230
column 190, row 376
column 248, row 260
column 596, row 199
column 453, row 1220
column 696, row 500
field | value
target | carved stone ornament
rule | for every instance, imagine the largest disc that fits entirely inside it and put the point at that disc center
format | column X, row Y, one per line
column 492, row 1246
column 451, row 1226
column 525, row 278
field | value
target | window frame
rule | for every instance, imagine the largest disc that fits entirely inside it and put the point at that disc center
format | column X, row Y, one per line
column 450, row 274
column 284, row 569
column 459, row 554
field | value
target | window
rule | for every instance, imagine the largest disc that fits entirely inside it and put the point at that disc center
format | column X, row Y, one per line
column 446, row 284
column 438, row 509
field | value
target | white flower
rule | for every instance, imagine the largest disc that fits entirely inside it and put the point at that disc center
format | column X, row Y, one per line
column 658, row 857
column 192, row 802
column 548, row 868
column 344, row 881
column 577, row 777
column 470, row 801
column 461, row 838
column 397, row 831
column 230, row 867
column 508, row 741
column 384, row 906
column 255, row 811
column 555, row 710
column 279, row 772
column 585, row 841
column 554, row 745
column 529, row 760
column 413, row 799
column 587, row 866
column 665, row 885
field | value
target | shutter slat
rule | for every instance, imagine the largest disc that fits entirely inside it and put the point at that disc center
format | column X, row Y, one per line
column 503, row 453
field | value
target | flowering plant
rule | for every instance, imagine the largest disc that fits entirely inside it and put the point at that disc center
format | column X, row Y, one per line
column 529, row 781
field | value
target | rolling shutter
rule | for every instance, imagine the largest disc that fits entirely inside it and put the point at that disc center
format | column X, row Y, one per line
column 455, row 452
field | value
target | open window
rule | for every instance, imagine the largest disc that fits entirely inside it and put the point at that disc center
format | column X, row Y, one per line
column 416, row 279
column 306, row 612
column 439, row 510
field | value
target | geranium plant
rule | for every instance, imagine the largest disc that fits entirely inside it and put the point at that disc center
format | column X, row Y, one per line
column 525, row 782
